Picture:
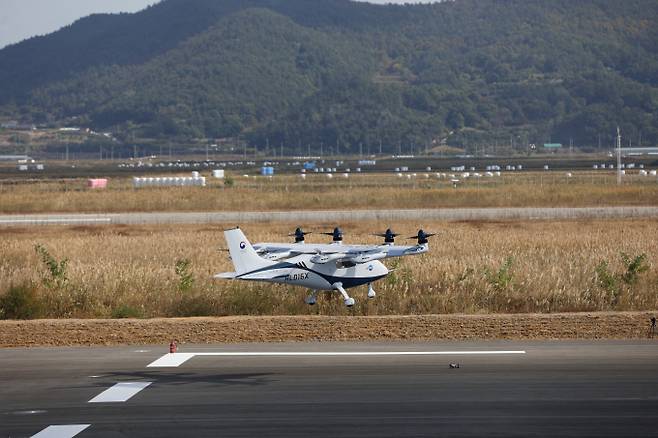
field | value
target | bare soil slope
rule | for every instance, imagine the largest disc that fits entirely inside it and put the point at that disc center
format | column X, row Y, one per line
column 69, row 332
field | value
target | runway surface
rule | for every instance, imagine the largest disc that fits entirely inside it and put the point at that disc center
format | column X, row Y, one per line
column 240, row 217
column 500, row 389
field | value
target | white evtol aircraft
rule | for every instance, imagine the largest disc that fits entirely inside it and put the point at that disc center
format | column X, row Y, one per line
column 328, row 267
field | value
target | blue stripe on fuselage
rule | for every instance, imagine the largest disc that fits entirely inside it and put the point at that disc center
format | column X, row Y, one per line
column 347, row 282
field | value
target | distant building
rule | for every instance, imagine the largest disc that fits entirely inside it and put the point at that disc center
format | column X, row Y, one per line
column 13, row 124
column 22, row 158
column 552, row 145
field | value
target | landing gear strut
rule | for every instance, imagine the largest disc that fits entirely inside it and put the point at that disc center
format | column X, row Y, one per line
column 371, row 291
column 349, row 302
column 310, row 300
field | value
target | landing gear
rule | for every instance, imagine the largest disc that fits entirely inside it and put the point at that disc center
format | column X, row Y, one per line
column 349, row 302
column 310, row 300
column 371, row 292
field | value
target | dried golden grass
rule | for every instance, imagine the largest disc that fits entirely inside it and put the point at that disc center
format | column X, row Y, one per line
column 550, row 189
column 121, row 270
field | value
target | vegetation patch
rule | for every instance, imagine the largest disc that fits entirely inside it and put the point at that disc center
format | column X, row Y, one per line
column 497, row 267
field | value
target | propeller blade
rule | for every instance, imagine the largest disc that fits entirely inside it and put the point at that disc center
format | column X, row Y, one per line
column 337, row 234
column 389, row 236
column 422, row 236
column 298, row 235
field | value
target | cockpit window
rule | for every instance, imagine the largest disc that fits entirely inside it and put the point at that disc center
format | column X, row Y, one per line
column 344, row 264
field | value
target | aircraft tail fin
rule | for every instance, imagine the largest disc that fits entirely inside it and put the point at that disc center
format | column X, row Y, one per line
column 244, row 256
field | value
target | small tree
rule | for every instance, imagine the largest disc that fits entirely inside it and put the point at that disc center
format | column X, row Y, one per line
column 56, row 276
column 185, row 277
column 634, row 267
column 502, row 278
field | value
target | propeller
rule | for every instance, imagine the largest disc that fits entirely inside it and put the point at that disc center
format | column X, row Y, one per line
column 389, row 236
column 422, row 237
column 337, row 234
column 299, row 234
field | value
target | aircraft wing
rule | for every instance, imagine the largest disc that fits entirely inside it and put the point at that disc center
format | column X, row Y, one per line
column 312, row 248
column 324, row 253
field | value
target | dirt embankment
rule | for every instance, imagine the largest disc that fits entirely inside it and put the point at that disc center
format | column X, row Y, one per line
column 603, row 325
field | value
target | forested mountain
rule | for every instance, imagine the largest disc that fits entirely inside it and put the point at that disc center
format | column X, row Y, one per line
column 303, row 72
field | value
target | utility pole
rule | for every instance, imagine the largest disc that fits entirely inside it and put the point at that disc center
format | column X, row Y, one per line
column 618, row 157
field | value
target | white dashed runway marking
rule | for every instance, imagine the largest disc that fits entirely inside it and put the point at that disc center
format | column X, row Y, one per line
column 177, row 359
column 61, row 431
column 37, row 221
column 120, row 392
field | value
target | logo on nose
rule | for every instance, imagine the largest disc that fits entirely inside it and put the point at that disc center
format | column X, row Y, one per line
column 242, row 245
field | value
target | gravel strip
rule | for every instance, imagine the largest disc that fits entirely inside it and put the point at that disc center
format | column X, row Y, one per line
column 72, row 332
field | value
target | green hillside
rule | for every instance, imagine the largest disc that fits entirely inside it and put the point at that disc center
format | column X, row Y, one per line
column 343, row 74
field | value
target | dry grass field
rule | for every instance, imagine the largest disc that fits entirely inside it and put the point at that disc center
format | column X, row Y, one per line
column 382, row 191
column 472, row 267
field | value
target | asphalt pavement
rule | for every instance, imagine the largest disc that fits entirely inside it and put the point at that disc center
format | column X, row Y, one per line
column 308, row 216
column 401, row 389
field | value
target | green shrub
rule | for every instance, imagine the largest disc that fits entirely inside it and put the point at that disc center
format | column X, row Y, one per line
column 56, row 276
column 195, row 305
column 20, row 302
column 634, row 267
column 185, row 277
column 126, row 311
column 615, row 283
column 502, row 278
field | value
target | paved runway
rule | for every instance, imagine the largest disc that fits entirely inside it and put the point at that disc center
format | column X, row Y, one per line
column 531, row 388
column 241, row 217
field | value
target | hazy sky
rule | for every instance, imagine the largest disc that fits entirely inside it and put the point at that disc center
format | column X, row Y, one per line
column 21, row 19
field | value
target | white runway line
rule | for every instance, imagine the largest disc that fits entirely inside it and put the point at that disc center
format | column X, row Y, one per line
column 53, row 221
column 177, row 359
column 62, row 431
column 120, row 392
column 171, row 360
